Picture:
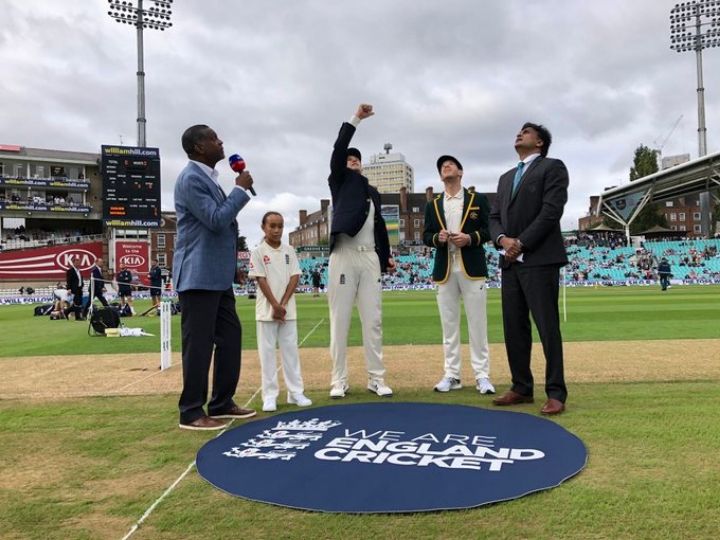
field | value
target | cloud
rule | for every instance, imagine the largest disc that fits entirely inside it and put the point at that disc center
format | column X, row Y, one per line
column 276, row 79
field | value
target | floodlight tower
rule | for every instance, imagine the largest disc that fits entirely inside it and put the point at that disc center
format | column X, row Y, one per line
column 703, row 17
column 156, row 17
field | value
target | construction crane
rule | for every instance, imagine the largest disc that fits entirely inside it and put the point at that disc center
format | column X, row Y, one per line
column 659, row 149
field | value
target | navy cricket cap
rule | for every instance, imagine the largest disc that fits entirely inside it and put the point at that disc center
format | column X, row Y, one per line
column 354, row 152
column 443, row 159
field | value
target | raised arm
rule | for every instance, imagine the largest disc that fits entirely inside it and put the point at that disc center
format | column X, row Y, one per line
column 338, row 161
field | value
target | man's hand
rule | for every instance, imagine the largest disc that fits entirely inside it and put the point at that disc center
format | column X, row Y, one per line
column 460, row 239
column 392, row 266
column 512, row 247
column 443, row 236
column 279, row 313
column 364, row 111
column 244, row 180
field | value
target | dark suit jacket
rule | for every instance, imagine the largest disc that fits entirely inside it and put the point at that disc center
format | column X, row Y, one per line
column 474, row 222
column 72, row 280
column 351, row 195
column 97, row 281
column 533, row 214
column 155, row 276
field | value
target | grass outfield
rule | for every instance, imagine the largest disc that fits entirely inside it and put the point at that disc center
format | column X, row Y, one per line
column 594, row 314
column 89, row 467
column 99, row 463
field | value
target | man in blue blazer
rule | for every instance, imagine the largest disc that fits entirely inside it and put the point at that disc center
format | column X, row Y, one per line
column 525, row 225
column 204, row 266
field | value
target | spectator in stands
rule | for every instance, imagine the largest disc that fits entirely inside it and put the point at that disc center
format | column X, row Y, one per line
column 124, row 280
column 456, row 225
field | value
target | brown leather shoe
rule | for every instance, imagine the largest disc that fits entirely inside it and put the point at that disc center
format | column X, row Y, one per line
column 204, row 423
column 235, row 412
column 553, row 406
column 512, row 398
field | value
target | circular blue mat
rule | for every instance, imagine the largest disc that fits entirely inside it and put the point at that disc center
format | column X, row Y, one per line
column 391, row 457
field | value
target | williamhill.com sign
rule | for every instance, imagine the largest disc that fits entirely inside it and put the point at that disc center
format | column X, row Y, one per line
column 391, row 457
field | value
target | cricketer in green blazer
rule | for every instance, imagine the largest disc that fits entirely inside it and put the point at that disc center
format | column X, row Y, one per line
column 474, row 223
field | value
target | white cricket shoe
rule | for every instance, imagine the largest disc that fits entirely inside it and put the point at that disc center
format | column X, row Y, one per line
column 269, row 405
column 446, row 384
column 338, row 390
column 379, row 387
column 298, row 399
column 484, row 386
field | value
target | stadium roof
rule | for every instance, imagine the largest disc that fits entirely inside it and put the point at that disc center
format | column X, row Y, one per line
column 624, row 203
column 24, row 153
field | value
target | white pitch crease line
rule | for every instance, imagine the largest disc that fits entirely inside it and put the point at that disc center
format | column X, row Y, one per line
column 169, row 490
column 138, row 381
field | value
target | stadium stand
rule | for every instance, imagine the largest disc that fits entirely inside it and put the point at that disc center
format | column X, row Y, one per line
column 593, row 261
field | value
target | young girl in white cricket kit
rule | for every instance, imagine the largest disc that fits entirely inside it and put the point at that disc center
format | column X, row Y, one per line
column 275, row 267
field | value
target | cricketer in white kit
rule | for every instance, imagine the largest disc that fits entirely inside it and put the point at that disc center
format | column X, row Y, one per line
column 359, row 253
column 275, row 267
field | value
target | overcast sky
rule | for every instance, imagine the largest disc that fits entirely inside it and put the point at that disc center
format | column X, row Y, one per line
column 275, row 78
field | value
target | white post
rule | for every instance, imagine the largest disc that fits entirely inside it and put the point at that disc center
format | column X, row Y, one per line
column 564, row 295
column 165, row 335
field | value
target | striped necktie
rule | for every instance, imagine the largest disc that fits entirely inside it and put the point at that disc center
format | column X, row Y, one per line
column 518, row 177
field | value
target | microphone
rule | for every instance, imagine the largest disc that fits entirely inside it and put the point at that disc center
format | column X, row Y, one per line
column 237, row 164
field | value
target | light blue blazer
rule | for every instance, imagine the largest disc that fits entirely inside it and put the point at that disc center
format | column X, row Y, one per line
column 206, row 244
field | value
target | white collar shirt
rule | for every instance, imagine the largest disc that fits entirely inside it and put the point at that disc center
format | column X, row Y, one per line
column 528, row 160
column 453, row 208
column 277, row 266
column 211, row 173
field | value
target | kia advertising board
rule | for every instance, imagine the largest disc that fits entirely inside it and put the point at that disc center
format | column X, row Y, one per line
column 49, row 263
column 135, row 256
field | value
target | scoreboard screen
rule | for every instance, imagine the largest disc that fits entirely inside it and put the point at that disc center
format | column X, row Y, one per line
column 131, row 186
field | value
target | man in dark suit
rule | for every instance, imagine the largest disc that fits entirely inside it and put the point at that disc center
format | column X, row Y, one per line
column 456, row 225
column 75, row 283
column 359, row 253
column 155, row 284
column 98, row 282
column 97, row 286
column 525, row 225
column 204, row 265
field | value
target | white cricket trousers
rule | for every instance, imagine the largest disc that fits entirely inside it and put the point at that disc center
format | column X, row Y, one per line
column 270, row 334
column 355, row 276
column 474, row 296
